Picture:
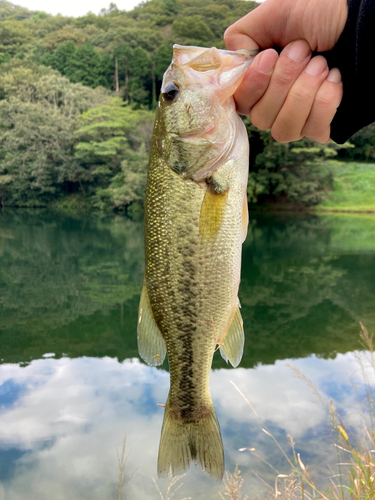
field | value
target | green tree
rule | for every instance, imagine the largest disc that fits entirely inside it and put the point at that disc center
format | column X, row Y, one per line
column 162, row 59
column 61, row 58
column 364, row 145
column 297, row 172
column 191, row 28
column 87, row 67
column 13, row 36
column 134, row 66
column 38, row 116
column 62, row 36
column 114, row 144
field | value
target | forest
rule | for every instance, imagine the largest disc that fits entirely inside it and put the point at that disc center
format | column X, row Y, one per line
column 77, row 101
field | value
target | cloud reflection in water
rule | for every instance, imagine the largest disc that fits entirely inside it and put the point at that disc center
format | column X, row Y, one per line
column 61, row 421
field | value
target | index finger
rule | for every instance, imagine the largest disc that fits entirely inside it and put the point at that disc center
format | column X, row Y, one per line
column 262, row 27
column 235, row 40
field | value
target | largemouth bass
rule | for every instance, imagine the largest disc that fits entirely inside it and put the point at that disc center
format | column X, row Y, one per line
column 196, row 219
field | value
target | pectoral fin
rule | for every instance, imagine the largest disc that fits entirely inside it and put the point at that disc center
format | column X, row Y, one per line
column 232, row 344
column 212, row 213
column 151, row 345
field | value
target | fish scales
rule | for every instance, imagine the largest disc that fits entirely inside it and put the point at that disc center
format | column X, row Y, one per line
column 195, row 221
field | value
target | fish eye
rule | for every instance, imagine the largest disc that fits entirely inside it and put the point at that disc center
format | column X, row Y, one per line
column 171, row 91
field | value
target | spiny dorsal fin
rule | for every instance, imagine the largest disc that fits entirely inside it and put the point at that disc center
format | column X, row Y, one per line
column 232, row 343
column 151, row 345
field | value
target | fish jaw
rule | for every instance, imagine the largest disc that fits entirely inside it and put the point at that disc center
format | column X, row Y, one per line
column 200, row 119
column 220, row 70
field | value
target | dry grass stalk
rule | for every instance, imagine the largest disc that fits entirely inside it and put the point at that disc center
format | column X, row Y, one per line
column 121, row 465
column 291, row 488
column 172, row 488
column 288, row 489
column 312, row 385
column 121, row 487
column 233, row 484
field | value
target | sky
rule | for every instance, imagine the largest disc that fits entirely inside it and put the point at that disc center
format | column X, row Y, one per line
column 75, row 7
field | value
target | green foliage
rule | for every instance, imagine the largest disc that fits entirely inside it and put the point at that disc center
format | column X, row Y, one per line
column 297, row 172
column 114, row 145
column 38, row 116
column 134, row 71
column 61, row 58
column 99, row 162
column 354, row 188
column 88, row 67
column 81, row 65
column 62, row 36
column 191, row 28
column 13, row 35
column 364, row 145
column 162, row 58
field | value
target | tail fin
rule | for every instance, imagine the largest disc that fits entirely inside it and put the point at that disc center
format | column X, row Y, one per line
column 184, row 442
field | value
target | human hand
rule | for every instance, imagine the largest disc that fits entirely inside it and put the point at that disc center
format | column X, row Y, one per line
column 293, row 95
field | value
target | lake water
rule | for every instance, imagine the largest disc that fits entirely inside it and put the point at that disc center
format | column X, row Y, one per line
column 72, row 384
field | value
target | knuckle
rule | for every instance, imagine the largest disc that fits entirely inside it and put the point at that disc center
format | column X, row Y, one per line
column 227, row 35
column 257, row 118
column 284, row 134
column 284, row 78
column 327, row 97
column 300, row 96
column 322, row 138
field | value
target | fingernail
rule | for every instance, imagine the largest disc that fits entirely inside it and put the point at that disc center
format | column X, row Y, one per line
column 266, row 63
column 334, row 76
column 298, row 51
column 316, row 66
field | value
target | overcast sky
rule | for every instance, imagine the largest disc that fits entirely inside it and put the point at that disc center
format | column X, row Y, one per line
column 74, row 7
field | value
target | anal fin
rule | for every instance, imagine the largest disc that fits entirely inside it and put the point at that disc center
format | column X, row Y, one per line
column 233, row 342
column 151, row 344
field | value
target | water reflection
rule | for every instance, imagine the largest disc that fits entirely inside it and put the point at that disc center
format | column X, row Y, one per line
column 70, row 286
column 62, row 421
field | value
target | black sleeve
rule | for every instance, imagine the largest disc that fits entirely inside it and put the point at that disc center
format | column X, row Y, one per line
column 354, row 55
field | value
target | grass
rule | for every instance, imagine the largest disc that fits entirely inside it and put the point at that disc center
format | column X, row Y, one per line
column 354, row 188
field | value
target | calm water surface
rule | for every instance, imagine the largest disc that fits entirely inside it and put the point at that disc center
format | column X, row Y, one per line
column 72, row 384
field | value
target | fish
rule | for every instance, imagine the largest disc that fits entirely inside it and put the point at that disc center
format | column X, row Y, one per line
column 196, row 218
